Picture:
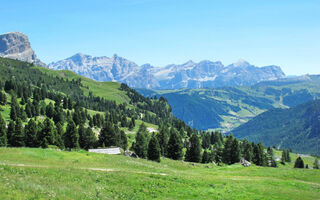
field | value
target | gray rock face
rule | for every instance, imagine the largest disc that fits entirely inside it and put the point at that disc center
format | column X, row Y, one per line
column 16, row 45
column 205, row 74
column 108, row 69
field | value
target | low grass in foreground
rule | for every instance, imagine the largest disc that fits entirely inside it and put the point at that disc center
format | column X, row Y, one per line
column 27, row 173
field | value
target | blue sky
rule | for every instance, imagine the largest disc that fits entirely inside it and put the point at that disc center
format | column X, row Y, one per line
column 161, row 32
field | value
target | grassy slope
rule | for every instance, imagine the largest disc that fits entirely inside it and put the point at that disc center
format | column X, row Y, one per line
column 107, row 90
column 50, row 174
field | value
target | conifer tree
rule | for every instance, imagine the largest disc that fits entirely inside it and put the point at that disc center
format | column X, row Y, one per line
column 10, row 132
column 3, row 132
column 141, row 144
column 109, row 135
column 18, row 134
column 123, row 140
column 316, row 164
column 47, row 134
column 71, row 136
column 175, row 145
column 258, row 155
column 154, row 149
column 205, row 157
column 59, row 136
column 299, row 163
column 228, row 150
column 194, row 149
column 163, row 138
column 31, row 131
column 247, row 151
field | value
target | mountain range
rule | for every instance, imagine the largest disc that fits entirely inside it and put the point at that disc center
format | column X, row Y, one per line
column 204, row 74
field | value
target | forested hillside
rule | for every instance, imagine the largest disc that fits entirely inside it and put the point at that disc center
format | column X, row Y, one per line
column 227, row 108
column 62, row 109
column 297, row 128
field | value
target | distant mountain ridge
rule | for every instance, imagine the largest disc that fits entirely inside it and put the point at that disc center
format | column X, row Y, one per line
column 205, row 74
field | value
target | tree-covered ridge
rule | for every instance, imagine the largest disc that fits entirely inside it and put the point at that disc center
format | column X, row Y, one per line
column 297, row 128
column 228, row 107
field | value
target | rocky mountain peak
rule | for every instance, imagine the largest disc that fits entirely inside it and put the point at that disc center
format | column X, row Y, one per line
column 16, row 45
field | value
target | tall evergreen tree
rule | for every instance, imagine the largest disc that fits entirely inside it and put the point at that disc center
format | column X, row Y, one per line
column 59, row 135
column 299, row 163
column 163, row 138
column 258, row 155
column 205, row 157
column 140, row 146
column 194, row 149
column 10, row 133
column 18, row 134
column 109, row 136
column 71, row 136
column 154, row 149
column 31, row 131
column 3, row 132
column 47, row 134
column 316, row 164
column 175, row 145
column 123, row 140
column 247, row 151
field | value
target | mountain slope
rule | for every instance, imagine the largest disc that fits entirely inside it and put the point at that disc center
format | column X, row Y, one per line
column 237, row 105
column 297, row 128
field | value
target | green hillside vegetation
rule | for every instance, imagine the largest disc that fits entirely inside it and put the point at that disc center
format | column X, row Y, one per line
column 297, row 128
column 27, row 173
column 226, row 108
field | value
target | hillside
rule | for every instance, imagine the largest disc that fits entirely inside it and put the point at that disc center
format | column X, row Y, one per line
column 297, row 128
column 39, row 91
column 50, row 174
column 226, row 108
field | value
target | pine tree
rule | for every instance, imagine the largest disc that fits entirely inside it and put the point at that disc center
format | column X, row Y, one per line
column 59, row 136
column 71, row 136
column 288, row 158
column 109, row 135
column 3, row 132
column 283, row 157
column 18, row 135
column 299, row 163
column 175, row 145
column 194, row 149
column 31, row 131
column 141, row 144
column 163, row 138
column 10, row 133
column 205, row 157
column 154, row 149
column 258, row 155
column 228, row 150
column 247, row 151
column 47, row 134
column 123, row 140
column 316, row 164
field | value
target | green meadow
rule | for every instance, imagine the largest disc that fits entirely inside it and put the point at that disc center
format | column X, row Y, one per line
column 27, row 173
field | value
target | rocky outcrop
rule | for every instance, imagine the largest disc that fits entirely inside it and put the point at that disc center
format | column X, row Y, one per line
column 16, row 45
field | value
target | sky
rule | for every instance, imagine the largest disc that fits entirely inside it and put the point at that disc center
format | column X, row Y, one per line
column 161, row 32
